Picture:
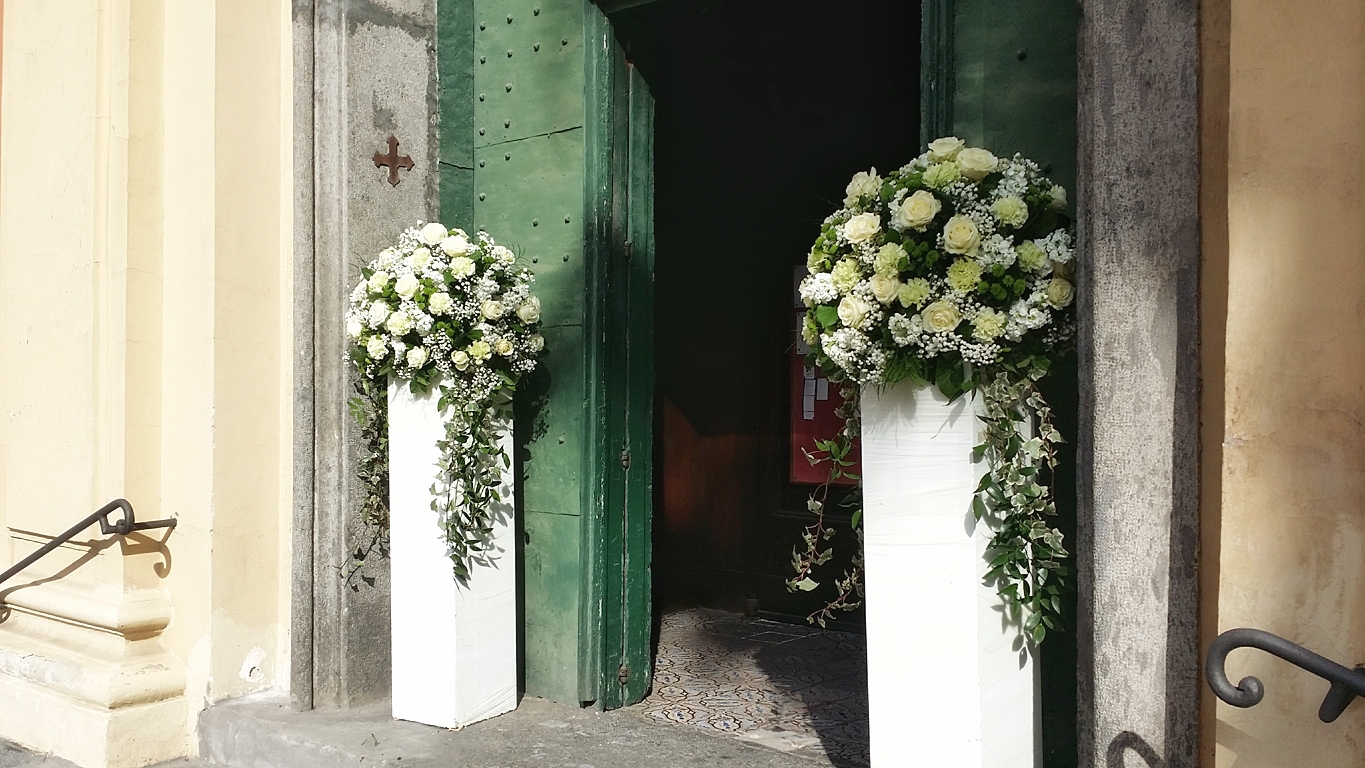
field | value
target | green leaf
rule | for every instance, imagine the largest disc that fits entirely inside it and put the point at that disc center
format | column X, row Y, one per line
column 806, row 584
column 826, row 315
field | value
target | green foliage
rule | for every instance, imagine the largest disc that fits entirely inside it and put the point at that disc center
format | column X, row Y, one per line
column 370, row 409
column 1026, row 551
column 816, row 538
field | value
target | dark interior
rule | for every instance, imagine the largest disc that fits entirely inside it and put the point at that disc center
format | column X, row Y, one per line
column 764, row 111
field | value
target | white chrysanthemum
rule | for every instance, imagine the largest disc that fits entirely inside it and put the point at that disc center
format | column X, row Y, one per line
column 377, row 348
column 399, row 323
column 461, row 267
column 845, row 275
column 818, row 289
column 379, row 280
column 440, row 303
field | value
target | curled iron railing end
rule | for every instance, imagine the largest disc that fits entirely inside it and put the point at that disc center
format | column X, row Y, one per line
column 1346, row 684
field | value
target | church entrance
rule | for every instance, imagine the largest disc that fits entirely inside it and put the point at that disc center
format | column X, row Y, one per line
column 762, row 111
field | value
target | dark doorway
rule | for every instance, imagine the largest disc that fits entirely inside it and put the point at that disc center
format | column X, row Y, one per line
column 764, row 111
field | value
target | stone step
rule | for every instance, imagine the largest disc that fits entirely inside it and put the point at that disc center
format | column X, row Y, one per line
column 264, row 732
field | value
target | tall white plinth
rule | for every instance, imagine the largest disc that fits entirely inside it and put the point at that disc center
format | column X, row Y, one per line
column 949, row 681
column 454, row 645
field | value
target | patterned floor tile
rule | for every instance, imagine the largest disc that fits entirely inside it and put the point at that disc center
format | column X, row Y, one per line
column 795, row 688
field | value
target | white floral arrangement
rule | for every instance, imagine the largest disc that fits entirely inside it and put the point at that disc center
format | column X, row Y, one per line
column 446, row 309
column 958, row 257
column 954, row 271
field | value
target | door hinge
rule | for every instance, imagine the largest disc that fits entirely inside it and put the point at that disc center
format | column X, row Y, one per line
column 622, row 674
column 625, row 459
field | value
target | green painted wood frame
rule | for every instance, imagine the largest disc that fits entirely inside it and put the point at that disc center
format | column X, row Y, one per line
column 619, row 114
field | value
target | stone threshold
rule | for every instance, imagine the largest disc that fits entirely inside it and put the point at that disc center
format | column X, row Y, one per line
column 264, row 732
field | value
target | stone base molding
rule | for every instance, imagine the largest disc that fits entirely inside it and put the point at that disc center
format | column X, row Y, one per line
column 88, row 658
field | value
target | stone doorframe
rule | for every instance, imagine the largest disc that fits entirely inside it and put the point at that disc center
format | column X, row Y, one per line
column 1138, row 465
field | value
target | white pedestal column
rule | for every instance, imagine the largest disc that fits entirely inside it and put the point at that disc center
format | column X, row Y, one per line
column 949, row 683
column 454, row 646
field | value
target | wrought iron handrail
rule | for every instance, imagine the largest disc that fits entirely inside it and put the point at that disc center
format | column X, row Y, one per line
column 122, row 527
column 1346, row 684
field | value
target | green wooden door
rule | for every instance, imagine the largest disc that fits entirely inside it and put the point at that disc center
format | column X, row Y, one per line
column 626, row 259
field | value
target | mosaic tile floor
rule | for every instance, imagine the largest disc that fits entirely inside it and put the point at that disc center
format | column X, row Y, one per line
column 794, row 688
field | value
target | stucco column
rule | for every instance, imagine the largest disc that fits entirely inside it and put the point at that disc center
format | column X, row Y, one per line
column 1138, row 467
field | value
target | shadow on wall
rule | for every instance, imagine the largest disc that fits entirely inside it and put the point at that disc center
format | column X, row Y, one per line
column 1126, row 742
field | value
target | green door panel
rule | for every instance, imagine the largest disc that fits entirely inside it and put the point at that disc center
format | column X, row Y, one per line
column 455, row 129
column 530, row 197
column 551, row 443
column 552, row 568
column 1014, row 72
column 528, row 53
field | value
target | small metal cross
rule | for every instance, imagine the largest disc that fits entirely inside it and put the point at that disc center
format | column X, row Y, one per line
column 393, row 161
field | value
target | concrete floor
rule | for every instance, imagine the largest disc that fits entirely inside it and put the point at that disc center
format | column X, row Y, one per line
column 728, row 691
column 265, row 733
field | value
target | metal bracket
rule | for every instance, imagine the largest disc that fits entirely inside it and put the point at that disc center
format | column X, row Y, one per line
column 1346, row 684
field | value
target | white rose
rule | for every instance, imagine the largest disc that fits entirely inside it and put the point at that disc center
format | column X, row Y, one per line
column 853, row 311
column 975, row 163
column 417, row 357
column 863, row 183
column 1058, row 195
column 461, row 266
column 354, row 327
column 456, row 245
column 378, row 280
column 502, row 347
column 433, row 233
column 406, row 286
column 440, row 303
column 376, row 348
column 945, row 148
column 491, row 310
column 917, row 211
column 419, row 259
column 885, row 287
column 1060, row 292
column 960, row 235
column 940, row 317
column 529, row 311
column 460, row 360
column 536, row 342
column 379, row 312
column 862, row 227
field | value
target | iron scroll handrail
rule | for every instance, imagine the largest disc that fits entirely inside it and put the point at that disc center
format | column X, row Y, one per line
column 1346, row 684
column 122, row 527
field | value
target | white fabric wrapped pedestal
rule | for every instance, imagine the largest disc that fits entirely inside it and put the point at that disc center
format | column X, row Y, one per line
column 948, row 683
column 454, row 646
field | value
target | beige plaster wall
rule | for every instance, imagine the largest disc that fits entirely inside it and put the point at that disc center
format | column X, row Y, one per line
column 1291, row 543
column 145, row 195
